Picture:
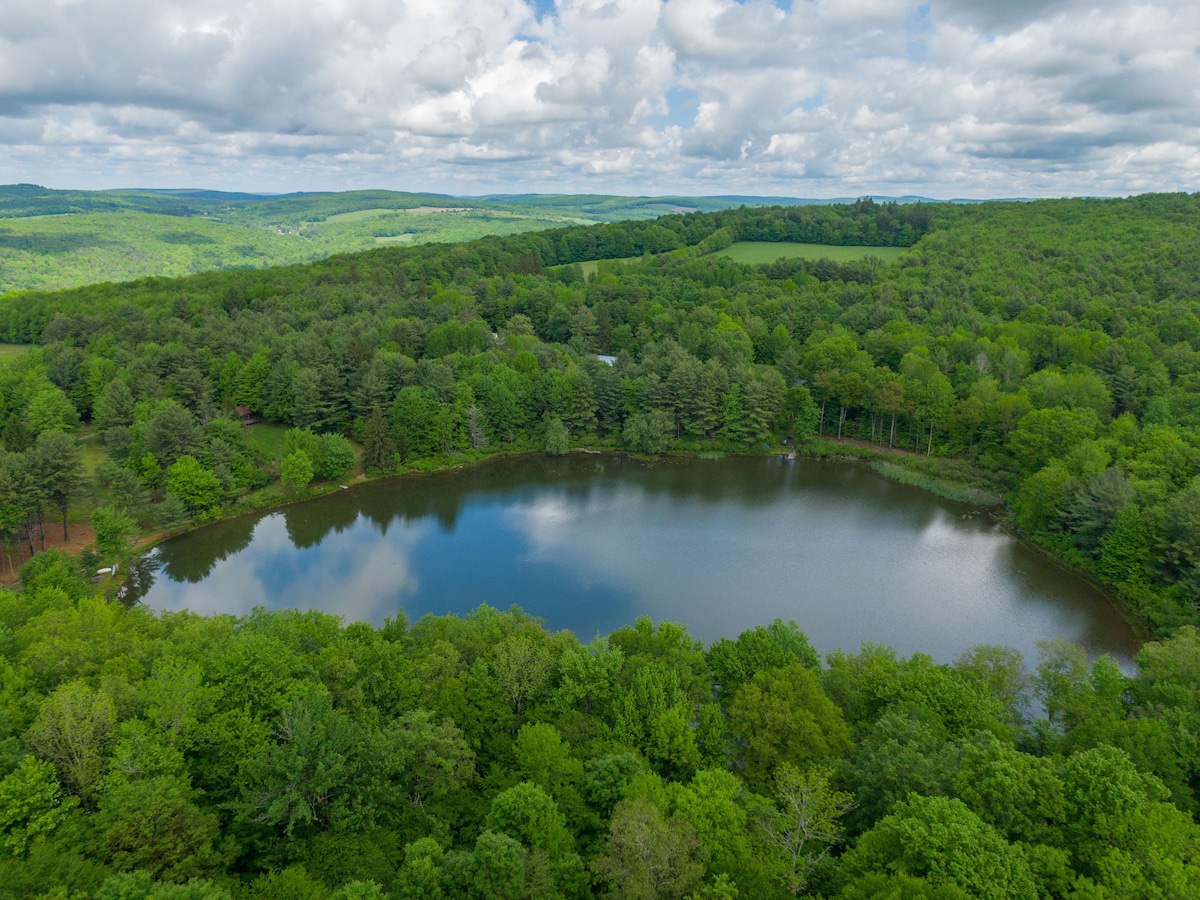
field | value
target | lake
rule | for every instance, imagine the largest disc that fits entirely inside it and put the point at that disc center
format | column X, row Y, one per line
column 590, row 542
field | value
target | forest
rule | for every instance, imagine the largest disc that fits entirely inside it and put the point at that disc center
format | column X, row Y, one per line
column 1048, row 351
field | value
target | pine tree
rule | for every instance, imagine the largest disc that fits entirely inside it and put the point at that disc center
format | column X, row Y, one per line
column 379, row 450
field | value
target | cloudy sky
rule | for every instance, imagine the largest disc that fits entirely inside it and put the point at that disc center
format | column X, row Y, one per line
column 808, row 98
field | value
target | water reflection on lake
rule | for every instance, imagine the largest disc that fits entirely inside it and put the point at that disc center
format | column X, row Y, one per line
column 589, row 543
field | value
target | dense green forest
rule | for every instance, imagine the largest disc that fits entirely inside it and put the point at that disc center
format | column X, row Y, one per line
column 286, row 755
column 52, row 239
column 1047, row 350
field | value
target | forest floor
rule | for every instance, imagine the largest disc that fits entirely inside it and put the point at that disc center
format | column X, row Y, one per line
column 81, row 535
column 871, row 445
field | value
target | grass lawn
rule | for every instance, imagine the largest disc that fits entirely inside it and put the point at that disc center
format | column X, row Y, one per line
column 268, row 439
column 91, row 454
column 757, row 253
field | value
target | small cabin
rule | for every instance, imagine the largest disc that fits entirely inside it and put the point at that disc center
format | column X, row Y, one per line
column 248, row 416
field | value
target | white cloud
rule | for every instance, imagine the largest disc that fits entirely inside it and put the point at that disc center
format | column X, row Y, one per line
column 833, row 97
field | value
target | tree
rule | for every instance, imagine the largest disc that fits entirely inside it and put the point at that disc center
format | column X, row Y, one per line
column 1183, row 533
column 521, row 666
column 890, row 399
column 647, row 856
column 359, row 890
column 379, row 450
column 51, row 410
column 544, row 759
column 528, row 814
column 783, row 716
column 556, row 438
column 194, row 483
column 115, row 408
column 1041, row 498
column 141, row 886
column 755, row 650
column 1094, row 506
column 1044, row 434
column 649, row 432
column 296, row 471
column 171, row 433
column 941, row 840
column 302, row 779
column 31, row 805
column 800, row 413
column 903, row 753
column 172, row 512
column 113, row 529
column 73, row 729
column 336, row 457
column 1125, row 549
column 56, row 462
column 713, row 803
column 421, row 877
column 929, row 391
column 1018, row 794
column 496, row 868
column 806, row 821
column 155, row 826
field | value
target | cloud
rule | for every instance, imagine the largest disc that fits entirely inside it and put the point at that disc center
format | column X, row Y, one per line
column 358, row 573
column 830, row 97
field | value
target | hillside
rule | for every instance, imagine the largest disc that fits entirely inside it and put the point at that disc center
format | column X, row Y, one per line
column 52, row 239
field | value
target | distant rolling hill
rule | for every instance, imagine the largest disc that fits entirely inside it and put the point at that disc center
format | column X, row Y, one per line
column 63, row 238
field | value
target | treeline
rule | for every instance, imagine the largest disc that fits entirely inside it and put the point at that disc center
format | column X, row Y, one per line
column 24, row 319
column 286, row 755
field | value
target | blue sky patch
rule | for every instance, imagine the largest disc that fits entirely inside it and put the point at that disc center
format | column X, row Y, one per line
column 918, row 28
column 682, row 105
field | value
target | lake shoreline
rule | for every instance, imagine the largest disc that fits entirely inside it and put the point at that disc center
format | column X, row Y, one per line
column 885, row 462
column 734, row 490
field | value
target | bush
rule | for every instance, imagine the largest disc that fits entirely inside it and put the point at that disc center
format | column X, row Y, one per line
column 296, row 471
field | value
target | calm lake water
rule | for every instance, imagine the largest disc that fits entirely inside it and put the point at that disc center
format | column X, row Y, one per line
column 589, row 543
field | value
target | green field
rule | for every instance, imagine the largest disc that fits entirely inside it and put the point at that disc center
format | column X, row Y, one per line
column 7, row 351
column 757, row 253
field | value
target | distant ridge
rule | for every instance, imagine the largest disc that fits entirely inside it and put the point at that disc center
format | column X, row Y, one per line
column 54, row 238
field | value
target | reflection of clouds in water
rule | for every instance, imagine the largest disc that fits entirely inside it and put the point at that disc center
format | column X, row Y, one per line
column 843, row 572
column 971, row 555
column 667, row 551
column 358, row 574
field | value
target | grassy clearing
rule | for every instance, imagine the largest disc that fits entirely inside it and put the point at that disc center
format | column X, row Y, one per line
column 757, row 253
column 269, row 439
column 7, row 351
column 360, row 214
column 91, row 455
column 951, row 490
column 396, row 239
column 592, row 266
